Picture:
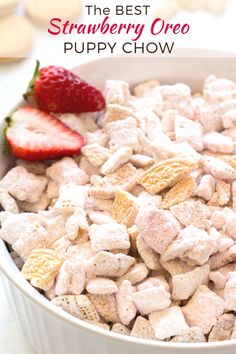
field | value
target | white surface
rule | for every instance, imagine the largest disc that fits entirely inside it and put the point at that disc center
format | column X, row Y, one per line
column 65, row 334
column 208, row 32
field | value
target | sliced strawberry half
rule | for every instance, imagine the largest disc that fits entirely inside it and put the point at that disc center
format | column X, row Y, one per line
column 33, row 135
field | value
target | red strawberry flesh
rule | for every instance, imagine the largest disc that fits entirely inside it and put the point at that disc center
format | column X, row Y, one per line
column 37, row 136
column 58, row 90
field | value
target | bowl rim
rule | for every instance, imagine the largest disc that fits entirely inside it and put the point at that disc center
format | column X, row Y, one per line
column 32, row 294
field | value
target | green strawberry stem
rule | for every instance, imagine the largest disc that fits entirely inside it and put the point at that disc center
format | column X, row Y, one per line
column 6, row 148
column 30, row 87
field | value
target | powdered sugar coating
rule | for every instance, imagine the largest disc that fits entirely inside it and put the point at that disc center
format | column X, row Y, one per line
column 137, row 234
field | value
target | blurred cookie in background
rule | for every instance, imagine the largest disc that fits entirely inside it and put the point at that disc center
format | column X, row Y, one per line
column 190, row 5
column 17, row 34
column 215, row 6
column 7, row 7
column 42, row 11
column 166, row 9
column 169, row 8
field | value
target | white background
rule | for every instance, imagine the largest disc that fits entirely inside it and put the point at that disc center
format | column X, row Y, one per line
column 208, row 31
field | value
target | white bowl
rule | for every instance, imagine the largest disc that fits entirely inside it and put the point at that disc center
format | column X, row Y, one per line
column 51, row 330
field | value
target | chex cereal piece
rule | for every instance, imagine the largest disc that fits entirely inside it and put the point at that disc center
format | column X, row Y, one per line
column 209, row 117
column 96, row 154
column 108, row 237
column 153, row 126
column 192, row 243
column 228, row 118
column 145, row 88
column 219, row 168
column 87, row 167
column 37, row 168
column 106, row 306
column 225, row 243
column 42, row 267
column 233, row 336
column 120, row 328
column 55, row 222
column 166, row 173
column 142, row 329
column 147, row 104
column 66, row 171
column 203, row 309
column 223, row 328
column 184, row 150
column 155, row 281
column 177, row 97
column 231, row 132
column 135, row 274
column 80, row 252
column 145, row 198
column 7, row 202
column 124, row 178
column 82, row 237
column 123, row 133
column 157, row 227
column 162, row 147
column 230, row 292
column 234, row 195
column 41, row 204
column 223, row 190
column 71, row 278
column 220, row 259
column 116, row 91
column 97, row 137
column 99, row 324
column 206, row 187
column 71, row 196
column 52, row 189
column 230, row 226
column 24, row 231
column 101, row 204
column 153, row 298
column 116, row 160
column 176, row 266
column 94, row 178
column 185, row 285
column 145, row 145
column 218, row 218
column 141, row 161
column 168, row 323
column 101, row 286
column 124, row 209
column 192, row 213
column 61, row 245
column 109, row 265
column 126, row 307
column 217, row 142
column 24, row 185
column 192, row 335
column 76, row 224
column 189, row 131
column 100, row 218
column 116, row 112
column 149, row 256
column 179, row 193
column 133, row 233
column 74, row 122
column 77, row 305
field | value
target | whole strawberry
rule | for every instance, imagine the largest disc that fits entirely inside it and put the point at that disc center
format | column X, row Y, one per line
column 55, row 89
